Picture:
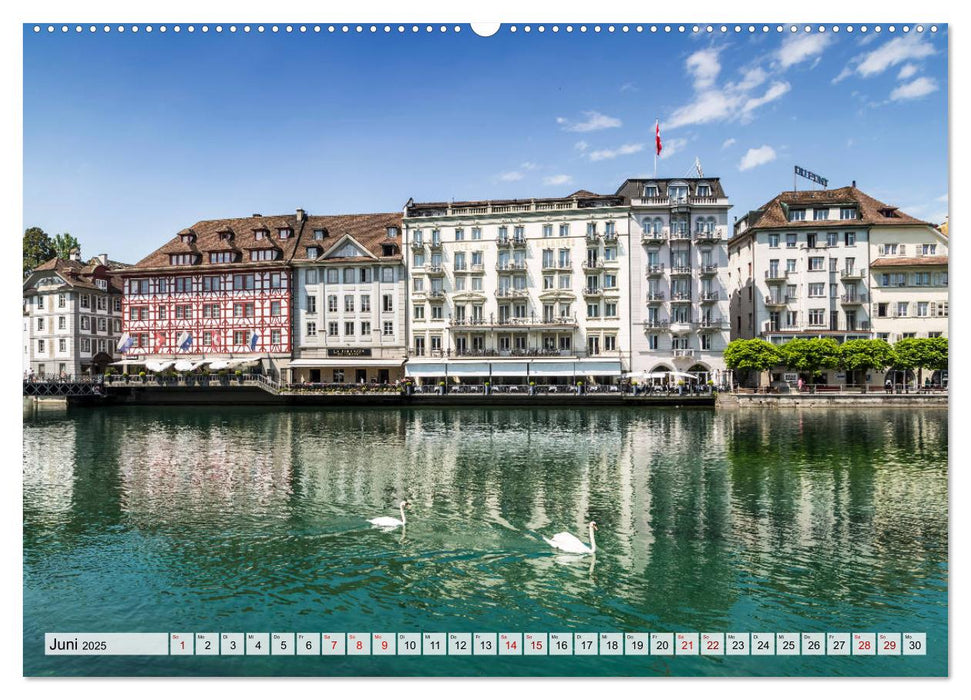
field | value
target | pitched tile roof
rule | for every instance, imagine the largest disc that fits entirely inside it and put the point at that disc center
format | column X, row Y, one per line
column 370, row 231
column 207, row 240
column 633, row 188
column 774, row 214
column 82, row 275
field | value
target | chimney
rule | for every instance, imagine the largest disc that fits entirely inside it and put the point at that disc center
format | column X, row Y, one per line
column 75, row 254
column 854, row 184
column 103, row 257
column 257, row 216
column 301, row 215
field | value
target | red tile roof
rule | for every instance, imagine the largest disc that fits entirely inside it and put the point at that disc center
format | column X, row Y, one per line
column 917, row 260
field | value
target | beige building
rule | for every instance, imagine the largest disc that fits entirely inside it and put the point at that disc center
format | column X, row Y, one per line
column 908, row 282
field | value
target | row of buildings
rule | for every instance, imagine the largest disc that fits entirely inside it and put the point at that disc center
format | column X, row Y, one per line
column 589, row 287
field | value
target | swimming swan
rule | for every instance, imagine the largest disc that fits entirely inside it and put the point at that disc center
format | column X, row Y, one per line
column 569, row 543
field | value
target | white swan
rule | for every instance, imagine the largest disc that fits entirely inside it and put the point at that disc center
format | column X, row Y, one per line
column 569, row 543
column 388, row 522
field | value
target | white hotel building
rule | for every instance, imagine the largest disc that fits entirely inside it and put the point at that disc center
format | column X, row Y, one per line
column 512, row 291
column 835, row 263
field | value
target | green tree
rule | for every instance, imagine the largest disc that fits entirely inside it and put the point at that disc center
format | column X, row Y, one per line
column 811, row 355
column 864, row 355
column 38, row 248
column 64, row 243
column 920, row 354
column 752, row 355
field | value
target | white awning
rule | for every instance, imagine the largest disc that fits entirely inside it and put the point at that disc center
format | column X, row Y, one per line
column 346, row 362
column 540, row 368
column 159, row 365
column 127, row 363
column 468, row 369
column 427, row 369
column 686, row 375
column 218, row 364
column 510, row 369
column 599, row 368
column 185, row 365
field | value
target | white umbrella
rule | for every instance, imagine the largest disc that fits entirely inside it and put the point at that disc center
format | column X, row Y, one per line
column 218, row 364
column 683, row 374
column 159, row 365
column 184, row 365
column 128, row 363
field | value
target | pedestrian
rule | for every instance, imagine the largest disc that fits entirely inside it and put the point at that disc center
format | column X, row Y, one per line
column 888, row 386
column 799, row 384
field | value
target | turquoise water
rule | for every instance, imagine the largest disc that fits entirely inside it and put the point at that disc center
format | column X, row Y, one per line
column 240, row 519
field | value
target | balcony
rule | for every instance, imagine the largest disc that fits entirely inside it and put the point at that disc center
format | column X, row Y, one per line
column 437, row 270
column 655, row 270
column 418, row 244
column 682, row 352
column 776, row 275
column 680, row 270
column 461, row 268
column 593, row 292
column 592, row 264
column 775, row 301
column 681, row 297
column 477, row 268
column 515, row 266
column 503, row 242
column 653, row 237
column 853, row 273
column 532, row 322
column 610, row 236
column 593, row 238
column 435, row 244
column 711, row 323
column 708, row 270
column 680, row 235
column 853, row 299
column 655, row 297
column 511, row 293
column 657, row 324
column 549, row 266
column 710, row 235
column 709, row 297
column 436, row 294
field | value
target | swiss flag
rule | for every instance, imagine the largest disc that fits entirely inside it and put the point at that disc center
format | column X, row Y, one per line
column 657, row 137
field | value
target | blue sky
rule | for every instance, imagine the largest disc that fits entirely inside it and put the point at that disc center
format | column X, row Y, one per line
column 130, row 137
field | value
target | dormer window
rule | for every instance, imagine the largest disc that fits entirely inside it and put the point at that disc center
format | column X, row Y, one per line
column 221, row 256
column 285, row 233
column 392, row 231
column 704, row 190
column 312, row 252
column 797, row 215
column 889, row 212
column 261, row 255
column 320, row 234
column 102, row 284
column 183, row 259
column 259, row 234
column 847, row 213
column 650, row 191
column 678, row 191
column 187, row 237
column 388, row 249
column 225, row 235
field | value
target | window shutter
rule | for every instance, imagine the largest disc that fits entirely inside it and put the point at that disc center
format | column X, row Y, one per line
column 880, row 249
column 903, row 249
column 933, row 308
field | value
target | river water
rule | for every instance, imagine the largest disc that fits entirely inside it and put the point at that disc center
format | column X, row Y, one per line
column 246, row 519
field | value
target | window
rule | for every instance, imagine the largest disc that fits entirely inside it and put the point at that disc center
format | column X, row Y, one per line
column 902, row 307
column 312, row 252
column 40, row 346
column 182, row 259
column 240, row 310
column 476, row 233
column 348, row 303
column 85, row 323
column 221, row 257
column 817, row 317
column 312, row 276
column 311, row 329
column 311, row 304
column 388, row 328
column 791, row 291
column 922, row 279
column 349, row 276
column 650, row 191
column 348, row 327
column 792, row 319
column 705, row 341
column 610, row 281
column 564, row 230
column 184, row 311
column 85, row 301
column 101, row 303
column 332, row 303
column 284, row 234
column 704, row 190
column 816, row 263
column 387, row 303
column 419, row 260
column 476, row 284
column 85, row 345
column 547, row 230
column 276, row 336
column 333, row 276
column 942, row 308
column 797, row 215
column 565, row 282
column 459, row 284
column 276, row 308
column 62, row 345
column 791, row 265
column 365, row 328
column 610, row 309
column 208, row 311
column 928, row 249
column 652, row 342
column 833, row 262
column 849, row 238
column 888, row 249
column 437, row 312
column 820, row 214
column 102, row 325
column 847, row 213
column 593, row 310
column 62, row 323
column 332, row 328
column 791, row 239
column 240, row 282
column 319, row 234
column 419, row 312
column 387, row 274
column 832, row 291
column 922, row 308
column 773, row 240
column 418, row 284
column 832, row 238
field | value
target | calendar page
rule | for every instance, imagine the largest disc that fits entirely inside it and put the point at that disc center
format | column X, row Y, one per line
column 534, row 349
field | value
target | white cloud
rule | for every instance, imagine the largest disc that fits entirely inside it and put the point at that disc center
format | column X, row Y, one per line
column 899, row 50
column 907, row 71
column 796, row 48
column 595, row 122
column 710, row 106
column 672, row 146
column 528, row 165
column 511, row 176
column 557, row 180
column 581, row 146
column 755, row 157
column 728, row 142
column 628, row 87
column 914, row 89
column 703, row 66
column 751, row 79
column 775, row 91
column 608, row 153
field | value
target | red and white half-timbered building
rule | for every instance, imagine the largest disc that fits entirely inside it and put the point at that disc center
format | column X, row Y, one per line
column 219, row 291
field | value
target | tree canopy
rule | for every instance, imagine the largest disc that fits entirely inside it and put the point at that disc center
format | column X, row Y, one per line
column 753, row 354
column 810, row 354
column 38, row 248
column 64, row 243
column 865, row 355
